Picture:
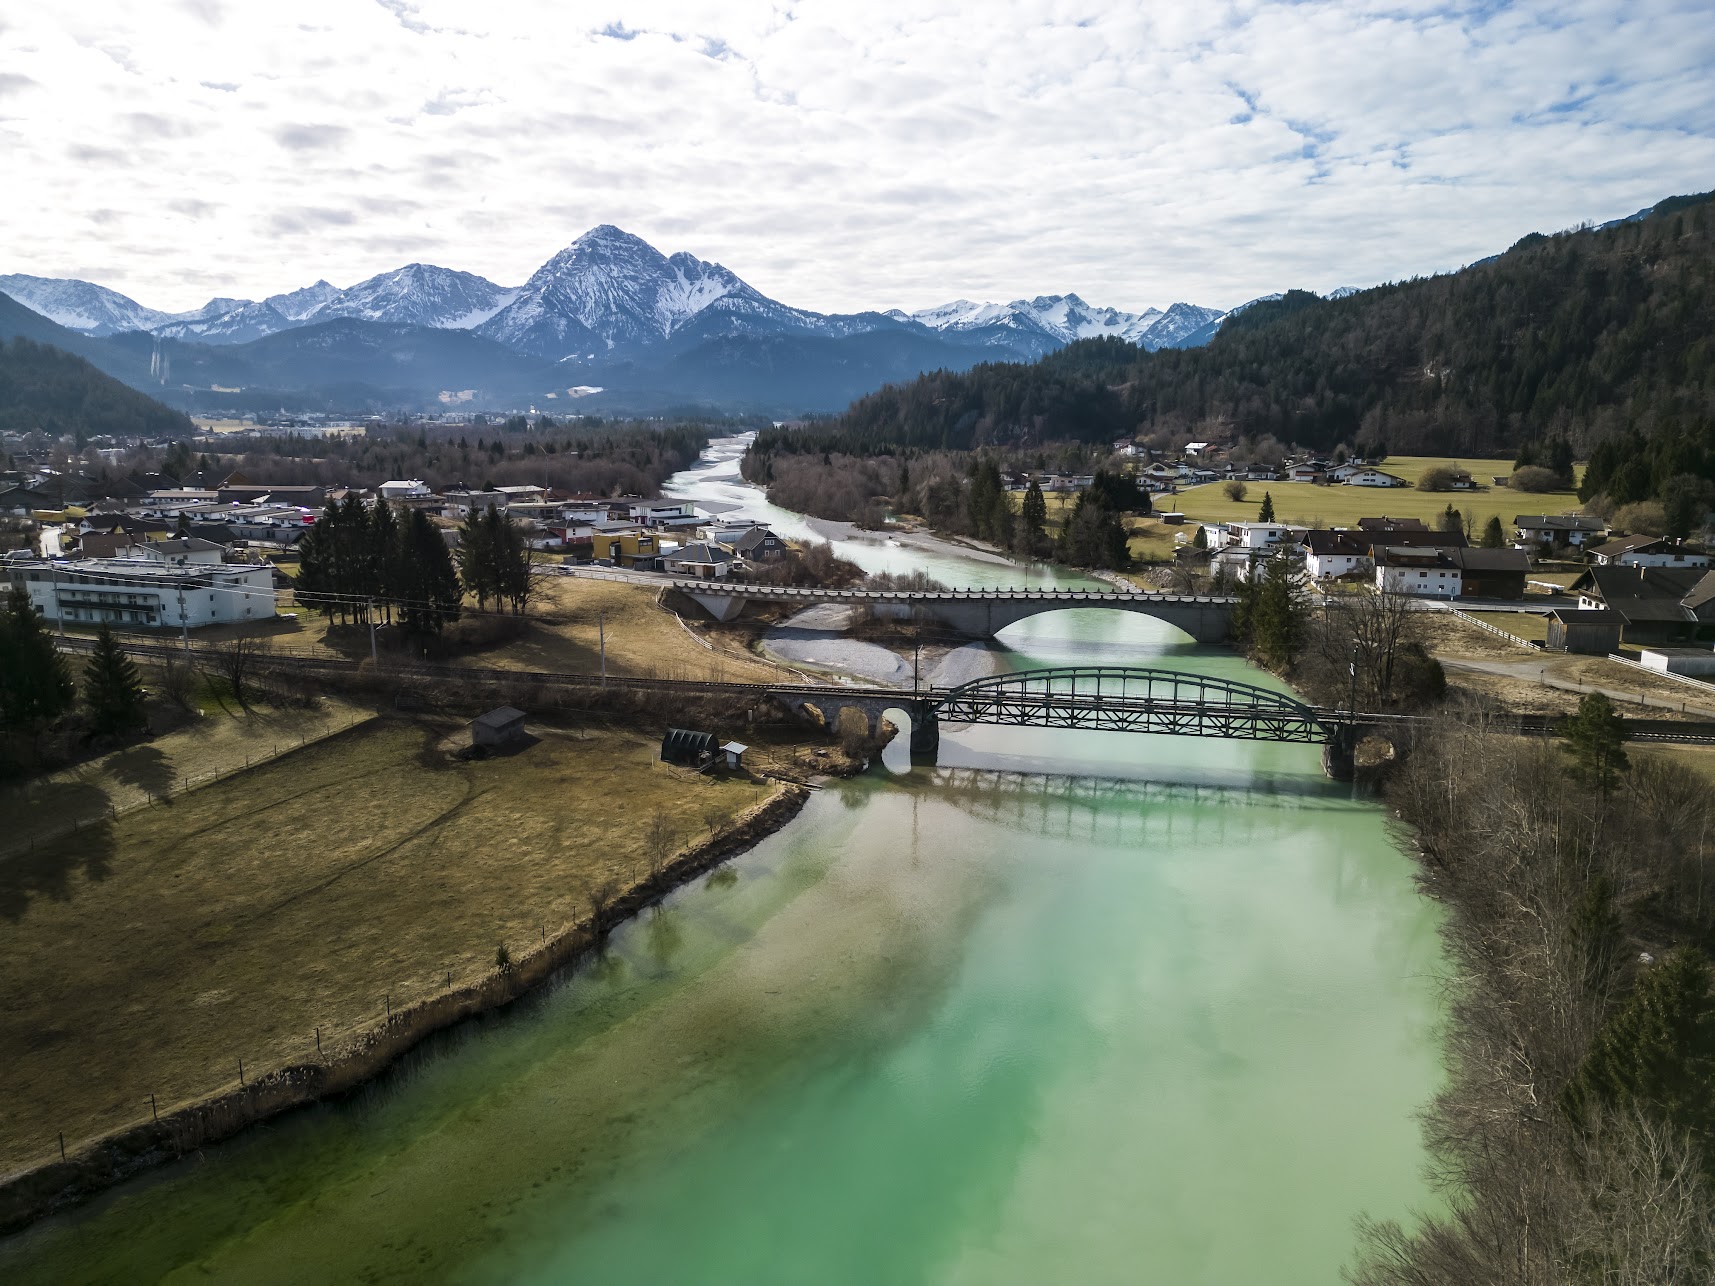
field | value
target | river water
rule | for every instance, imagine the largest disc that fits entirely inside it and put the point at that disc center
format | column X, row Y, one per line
column 1068, row 1007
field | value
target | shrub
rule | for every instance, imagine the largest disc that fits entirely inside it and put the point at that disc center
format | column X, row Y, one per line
column 1645, row 516
column 1440, row 478
column 1235, row 491
column 1535, row 478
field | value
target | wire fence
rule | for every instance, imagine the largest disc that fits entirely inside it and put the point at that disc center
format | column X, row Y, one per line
column 153, row 797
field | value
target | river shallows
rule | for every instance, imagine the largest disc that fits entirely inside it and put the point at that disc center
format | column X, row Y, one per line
column 1071, row 1007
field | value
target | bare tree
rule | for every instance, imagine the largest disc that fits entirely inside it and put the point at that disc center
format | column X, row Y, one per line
column 659, row 843
column 234, row 660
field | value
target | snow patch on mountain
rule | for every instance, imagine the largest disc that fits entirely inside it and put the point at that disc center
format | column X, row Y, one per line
column 298, row 305
column 419, row 294
column 81, row 305
column 1067, row 318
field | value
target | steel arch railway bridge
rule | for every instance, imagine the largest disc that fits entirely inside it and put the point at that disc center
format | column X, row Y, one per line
column 1100, row 698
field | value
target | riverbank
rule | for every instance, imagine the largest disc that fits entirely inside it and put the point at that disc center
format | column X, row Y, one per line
column 1574, row 1134
column 923, row 542
column 274, row 959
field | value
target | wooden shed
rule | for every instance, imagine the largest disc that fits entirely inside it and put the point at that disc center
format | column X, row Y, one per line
column 689, row 748
column 497, row 729
column 1591, row 630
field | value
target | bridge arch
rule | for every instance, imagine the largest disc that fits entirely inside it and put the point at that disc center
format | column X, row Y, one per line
column 1134, row 699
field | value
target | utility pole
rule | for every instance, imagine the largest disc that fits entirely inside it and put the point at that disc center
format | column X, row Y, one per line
column 601, row 635
column 1352, row 704
column 184, row 626
column 374, row 659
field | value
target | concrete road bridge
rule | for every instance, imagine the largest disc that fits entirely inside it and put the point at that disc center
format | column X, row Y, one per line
column 979, row 613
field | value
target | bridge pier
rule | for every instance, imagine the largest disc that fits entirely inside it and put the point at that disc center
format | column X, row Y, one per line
column 925, row 733
column 1339, row 753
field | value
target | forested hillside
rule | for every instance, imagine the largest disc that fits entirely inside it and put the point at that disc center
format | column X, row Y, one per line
column 44, row 388
column 1590, row 336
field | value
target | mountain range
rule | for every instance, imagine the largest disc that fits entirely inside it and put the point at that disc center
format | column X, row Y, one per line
column 609, row 313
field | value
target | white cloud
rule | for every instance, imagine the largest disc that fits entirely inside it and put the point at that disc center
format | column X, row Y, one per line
column 841, row 156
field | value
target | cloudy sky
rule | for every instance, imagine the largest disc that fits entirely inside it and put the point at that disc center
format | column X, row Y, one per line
column 838, row 155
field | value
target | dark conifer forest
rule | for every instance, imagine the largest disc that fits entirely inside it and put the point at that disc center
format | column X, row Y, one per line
column 44, row 388
column 1602, row 338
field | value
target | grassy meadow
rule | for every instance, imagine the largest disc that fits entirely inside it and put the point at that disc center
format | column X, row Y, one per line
column 1341, row 506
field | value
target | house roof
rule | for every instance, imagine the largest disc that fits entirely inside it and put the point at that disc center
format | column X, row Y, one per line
column 1626, row 545
column 1411, row 556
column 1559, row 522
column 1384, row 523
column 1585, row 616
column 1490, row 560
column 1652, row 593
column 700, row 552
column 1323, row 543
column 499, row 718
column 752, row 538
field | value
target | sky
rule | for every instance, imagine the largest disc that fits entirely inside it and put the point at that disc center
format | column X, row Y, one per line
column 838, row 155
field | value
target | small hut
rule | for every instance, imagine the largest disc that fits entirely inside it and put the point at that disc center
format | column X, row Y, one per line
column 688, row 748
column 497, row 729
column 733, row 754
column 1594, row 631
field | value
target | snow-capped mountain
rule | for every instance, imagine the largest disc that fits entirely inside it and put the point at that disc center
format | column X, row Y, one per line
column 300, row 305
column 612, row 290
column 609, row 294
column 1065, row 318
column 81, row 305
column 242, row 324
column 418, row 294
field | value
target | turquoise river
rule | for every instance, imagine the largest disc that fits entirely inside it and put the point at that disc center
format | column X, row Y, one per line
column 1067, row 1007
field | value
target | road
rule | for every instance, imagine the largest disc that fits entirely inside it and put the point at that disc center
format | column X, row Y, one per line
column 1533, row 671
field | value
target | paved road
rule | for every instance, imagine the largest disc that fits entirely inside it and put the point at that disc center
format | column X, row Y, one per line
column 1533, row 671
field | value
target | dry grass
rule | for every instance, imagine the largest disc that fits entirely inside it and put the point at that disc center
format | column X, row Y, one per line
column 562, row 633
column 1526, row 625
column 225, row 739
column 152, row 954
column 643, row 639
column 1339, row 506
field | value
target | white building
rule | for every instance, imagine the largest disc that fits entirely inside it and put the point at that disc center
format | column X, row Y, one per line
column 139, row 593
column 1256, row 535
column 1420, row 570
column 1645, row 551
column 404, row 488
column 1373, row 478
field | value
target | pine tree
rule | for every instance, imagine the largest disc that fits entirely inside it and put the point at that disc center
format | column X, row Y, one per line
column 386, row 555
column 1595, row 738
column 1273, row 611
column 1658, row 1050
column 476, row 557
column 1266, row 513
column 111, row 687
column 1494, row 535
column 430, row 592
column 35, row 687
column 1035, row 519
column 1451, row 520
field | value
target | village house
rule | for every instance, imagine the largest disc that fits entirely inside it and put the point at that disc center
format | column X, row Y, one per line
column 1671, row 605
column 1416, row 570
column 1645, row 551
column 1557, row 530
column 700, row 560
column 1368, row 477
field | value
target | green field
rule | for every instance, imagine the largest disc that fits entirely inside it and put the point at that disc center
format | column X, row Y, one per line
column 1340, row 506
